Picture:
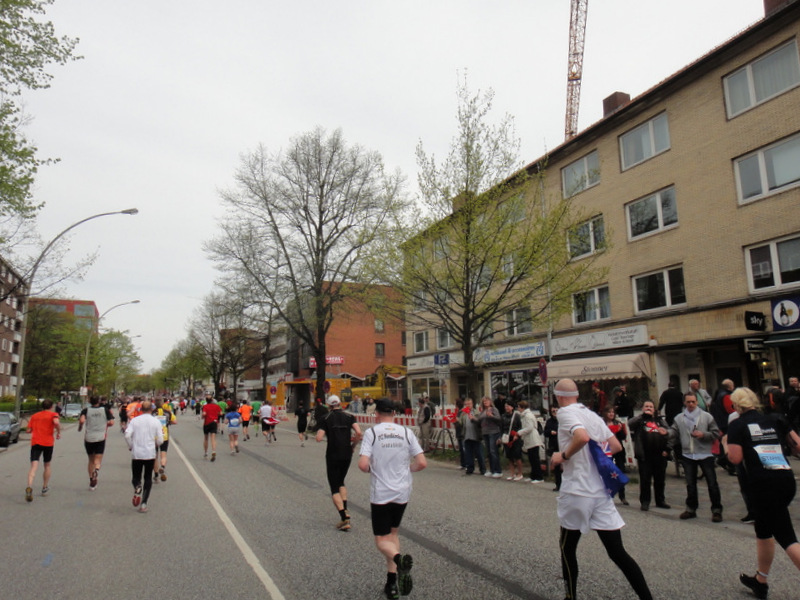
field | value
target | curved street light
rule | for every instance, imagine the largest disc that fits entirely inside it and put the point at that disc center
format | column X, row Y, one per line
column 31, row 276
column 91, row 334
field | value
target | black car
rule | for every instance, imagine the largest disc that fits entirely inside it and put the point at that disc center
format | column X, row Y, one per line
column 9, row 429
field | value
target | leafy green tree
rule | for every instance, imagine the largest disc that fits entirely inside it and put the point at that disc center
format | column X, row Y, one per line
column 113, row 363
column 184, row 364
column 28, row 45
column 491, row 257
column 55, row 347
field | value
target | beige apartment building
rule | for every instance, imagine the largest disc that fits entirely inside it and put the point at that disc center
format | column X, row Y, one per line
column 693, row 196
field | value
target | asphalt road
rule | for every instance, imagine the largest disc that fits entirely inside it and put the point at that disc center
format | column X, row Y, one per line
column 260, row 524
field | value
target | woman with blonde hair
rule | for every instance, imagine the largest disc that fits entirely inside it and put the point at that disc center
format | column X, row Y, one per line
column 755, row 441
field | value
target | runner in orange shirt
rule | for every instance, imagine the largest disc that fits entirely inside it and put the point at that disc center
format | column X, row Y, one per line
column 42, row 425
column 247, row 411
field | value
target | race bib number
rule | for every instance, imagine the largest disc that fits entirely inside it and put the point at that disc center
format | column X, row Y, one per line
column 771, row 457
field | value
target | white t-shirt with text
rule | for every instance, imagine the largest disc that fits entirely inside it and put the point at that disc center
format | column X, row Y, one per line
column 390, row 448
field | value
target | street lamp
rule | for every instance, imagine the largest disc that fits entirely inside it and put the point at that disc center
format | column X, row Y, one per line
column 34, row 269
column 91, row 333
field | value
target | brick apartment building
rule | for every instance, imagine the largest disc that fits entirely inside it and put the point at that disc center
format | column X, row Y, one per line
column 85, row 311
column 693, row 191
column 12, row 294
column 358, row 342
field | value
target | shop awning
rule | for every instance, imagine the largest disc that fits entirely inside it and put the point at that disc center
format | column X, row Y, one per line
column 784, row 339
column 617, row 366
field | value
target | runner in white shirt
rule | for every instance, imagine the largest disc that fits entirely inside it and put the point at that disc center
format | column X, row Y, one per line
column 390, row 453
column 265, row 416
column 583, row 503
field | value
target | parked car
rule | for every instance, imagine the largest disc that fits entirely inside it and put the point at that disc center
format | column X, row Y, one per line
column 72, row 411
column 9, row 429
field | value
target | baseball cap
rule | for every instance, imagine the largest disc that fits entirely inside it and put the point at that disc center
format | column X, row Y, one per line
column 384, row 405
column 333, row 400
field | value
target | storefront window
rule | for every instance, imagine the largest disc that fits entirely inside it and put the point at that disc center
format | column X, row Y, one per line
column 522, row 384
column 427, row 385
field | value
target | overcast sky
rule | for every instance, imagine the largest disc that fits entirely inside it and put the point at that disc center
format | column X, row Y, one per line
column 170, row 93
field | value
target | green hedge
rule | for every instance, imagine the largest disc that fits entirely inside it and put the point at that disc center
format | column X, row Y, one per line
column 28, row 406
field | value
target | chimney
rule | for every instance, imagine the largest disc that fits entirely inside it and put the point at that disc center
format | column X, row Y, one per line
column 773, row 6
column 616, row 101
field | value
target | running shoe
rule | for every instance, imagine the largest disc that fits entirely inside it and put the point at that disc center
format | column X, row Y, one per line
column 237, row 448
column 163, row 474
column 45, row 491
column 143, row 508
column 343, row 525
column 517, row 478
column 137, row 495
column 759, row 589
column 28, row 494
column 93, row 480
column 213, row 456
column 390, row 589
column 404, row 563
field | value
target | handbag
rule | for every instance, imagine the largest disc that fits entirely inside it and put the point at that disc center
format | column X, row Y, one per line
column 506, row 437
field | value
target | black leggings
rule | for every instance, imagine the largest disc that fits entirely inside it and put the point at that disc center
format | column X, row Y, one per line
column 612, row 541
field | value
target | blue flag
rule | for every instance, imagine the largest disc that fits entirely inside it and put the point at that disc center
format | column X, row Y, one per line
column 613, row 478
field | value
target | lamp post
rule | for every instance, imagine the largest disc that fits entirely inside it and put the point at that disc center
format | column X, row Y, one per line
column 31, row 276
column 89, row 340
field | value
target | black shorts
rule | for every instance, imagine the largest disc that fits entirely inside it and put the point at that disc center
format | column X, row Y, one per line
column 337, row 471
column 46, row 452
column 210, row 428
column 266, row 426
column 164, row 446
column 302, row 423
column 770, row 502
column 95, row 447
column 386, row 517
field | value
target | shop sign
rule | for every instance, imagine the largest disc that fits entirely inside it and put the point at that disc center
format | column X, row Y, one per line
column 755, row 321
column 427, row 363
column 329, row 360
column 786, row 313
column 519, row 352
column 601, row 340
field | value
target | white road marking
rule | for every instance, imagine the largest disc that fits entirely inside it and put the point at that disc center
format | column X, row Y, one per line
column 244, row 548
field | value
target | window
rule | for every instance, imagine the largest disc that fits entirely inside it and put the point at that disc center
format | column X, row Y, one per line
column 768, row 170
column 774, row 265
column 483, row 334
column 653, row 213
column 580, row 175
column 592, row 305
column 587, row 238
column 380, row 350
column 519, row 321
column 379, row 327
column 644, row 142
column 762, row 79
column 420, row 301
column 444, row 339
column 661, row 289
column 421, row 341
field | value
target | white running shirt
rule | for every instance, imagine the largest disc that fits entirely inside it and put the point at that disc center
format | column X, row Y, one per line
column 390, row 448
column 580, row 473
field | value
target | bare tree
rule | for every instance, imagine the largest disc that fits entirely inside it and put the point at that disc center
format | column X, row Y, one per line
column 301, row 223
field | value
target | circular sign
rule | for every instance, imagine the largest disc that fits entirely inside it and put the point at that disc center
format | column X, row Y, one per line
column 273, row 390
column 785, row 313
column 543, row 371
column 326, row 386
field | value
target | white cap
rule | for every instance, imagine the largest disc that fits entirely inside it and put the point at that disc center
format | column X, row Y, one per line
column 333, row 400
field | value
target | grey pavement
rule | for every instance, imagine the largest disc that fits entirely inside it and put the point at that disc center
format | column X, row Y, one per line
column 471, row 537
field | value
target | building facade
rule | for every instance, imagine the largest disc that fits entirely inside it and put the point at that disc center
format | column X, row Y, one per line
column 12, row 301
column 691, row 192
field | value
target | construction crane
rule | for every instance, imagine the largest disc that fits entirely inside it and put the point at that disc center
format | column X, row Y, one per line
column 577, row 33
